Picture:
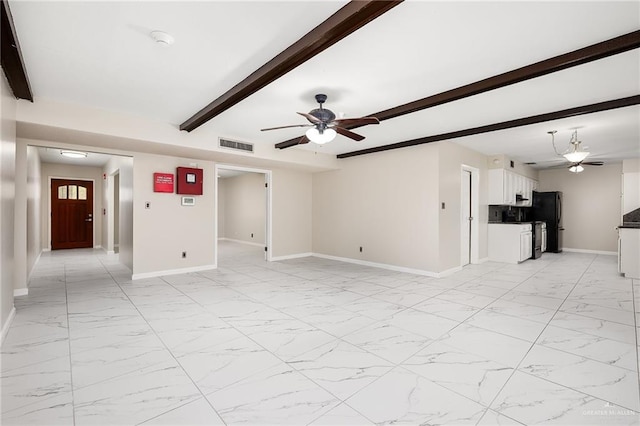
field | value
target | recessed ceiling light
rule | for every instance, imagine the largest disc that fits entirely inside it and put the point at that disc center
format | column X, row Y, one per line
column 162, row 38
column 73, row 154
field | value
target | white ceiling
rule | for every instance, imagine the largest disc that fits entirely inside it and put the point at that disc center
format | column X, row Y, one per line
column 99, row 54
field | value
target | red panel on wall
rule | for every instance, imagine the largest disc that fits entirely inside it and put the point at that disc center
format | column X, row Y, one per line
column 163, row 182
column 189, row 181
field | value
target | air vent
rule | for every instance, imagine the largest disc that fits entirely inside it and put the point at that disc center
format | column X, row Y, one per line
column 238, row 146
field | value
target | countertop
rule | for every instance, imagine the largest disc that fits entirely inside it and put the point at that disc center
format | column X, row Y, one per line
column 630, row 225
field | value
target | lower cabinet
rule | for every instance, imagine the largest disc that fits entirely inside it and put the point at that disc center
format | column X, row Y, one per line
column 629, row 252
column 526, row 245
column 510, row 243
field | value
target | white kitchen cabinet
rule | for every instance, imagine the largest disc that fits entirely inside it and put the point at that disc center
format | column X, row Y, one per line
column 629, row 252
column 505, row 184
column 510, row 242
column 526, row 245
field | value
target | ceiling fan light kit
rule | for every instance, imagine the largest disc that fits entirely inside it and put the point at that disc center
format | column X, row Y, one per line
column 323, row 125
column 577, row 168
column 320, row 136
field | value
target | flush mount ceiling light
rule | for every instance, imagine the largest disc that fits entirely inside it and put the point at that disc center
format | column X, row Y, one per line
column 161, row 38
column 320, row 136
column 73, row 154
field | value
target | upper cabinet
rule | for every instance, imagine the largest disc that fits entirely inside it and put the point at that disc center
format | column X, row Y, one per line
column 509, row 188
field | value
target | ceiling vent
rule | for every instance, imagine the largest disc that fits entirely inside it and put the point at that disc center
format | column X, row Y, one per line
column 238, row 146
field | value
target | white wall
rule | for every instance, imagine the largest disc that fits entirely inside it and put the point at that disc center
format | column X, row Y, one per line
column 243, row 201
column 123, row 166
column 590, row 205
column 7, row 197
column 164, row 231
column 390, row 204
column 222, row 196
column 387, row 202
column 34, row 206
column 27, row 230
column 291, row 212
column 50, row 170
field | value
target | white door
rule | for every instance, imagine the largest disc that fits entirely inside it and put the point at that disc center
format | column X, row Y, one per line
column 466, row 218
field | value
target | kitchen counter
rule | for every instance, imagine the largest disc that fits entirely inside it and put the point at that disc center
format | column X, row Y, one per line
column 630, row 225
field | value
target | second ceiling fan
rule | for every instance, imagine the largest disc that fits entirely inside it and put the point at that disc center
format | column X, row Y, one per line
column 323, row 124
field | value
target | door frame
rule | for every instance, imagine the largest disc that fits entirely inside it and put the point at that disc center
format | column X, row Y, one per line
column 475, row 213
column 111, row 207
column 268, row 214
column 93, row 222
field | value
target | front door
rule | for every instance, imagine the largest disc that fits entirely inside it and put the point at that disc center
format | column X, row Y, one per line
column 71, row 214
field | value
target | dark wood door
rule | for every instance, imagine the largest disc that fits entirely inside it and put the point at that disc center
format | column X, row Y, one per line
column 71, row 214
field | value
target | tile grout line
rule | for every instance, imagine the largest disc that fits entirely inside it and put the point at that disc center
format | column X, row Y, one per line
column 172, row 355
column 534, row 343
column 66, row 299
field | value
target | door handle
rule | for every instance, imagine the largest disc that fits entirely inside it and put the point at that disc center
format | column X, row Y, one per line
column 88, row 220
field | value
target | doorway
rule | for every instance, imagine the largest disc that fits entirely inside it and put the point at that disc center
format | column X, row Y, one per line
column 469, row 215
column 71, row 214
column 243, row 219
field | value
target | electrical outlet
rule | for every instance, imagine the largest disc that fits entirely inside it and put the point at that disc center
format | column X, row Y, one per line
column 147, row 205
column 184, row 254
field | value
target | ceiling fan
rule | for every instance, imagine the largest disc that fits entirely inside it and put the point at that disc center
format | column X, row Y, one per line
column 574, row 154
column 323, row 124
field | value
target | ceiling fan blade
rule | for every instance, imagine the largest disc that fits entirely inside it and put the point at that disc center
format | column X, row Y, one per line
column 310, row 117
column 356, row 121
column 303, row 140
column 593, row 163
column 348, row 133
column 286, row 127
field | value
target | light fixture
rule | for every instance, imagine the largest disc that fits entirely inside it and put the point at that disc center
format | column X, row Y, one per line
column 73, row 154
column 320, row 137
column 576, row 168
column 161, row 38
column 574, row 154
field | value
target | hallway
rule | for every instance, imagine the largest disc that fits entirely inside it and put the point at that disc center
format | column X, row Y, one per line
column 318, row 341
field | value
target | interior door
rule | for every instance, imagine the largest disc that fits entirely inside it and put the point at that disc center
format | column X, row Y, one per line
column 71, row 214
column 466, row 218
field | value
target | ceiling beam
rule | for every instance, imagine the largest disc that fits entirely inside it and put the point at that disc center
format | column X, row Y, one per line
column 351, row 17
column 534, row 119
column 587, row 54
column 11, row 56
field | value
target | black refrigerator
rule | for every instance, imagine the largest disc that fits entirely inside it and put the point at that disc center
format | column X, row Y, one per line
column 547, row 206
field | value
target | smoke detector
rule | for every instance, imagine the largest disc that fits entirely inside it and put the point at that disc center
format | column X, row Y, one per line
column 162, row 38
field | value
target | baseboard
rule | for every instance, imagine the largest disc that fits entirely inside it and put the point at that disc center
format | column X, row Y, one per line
column 483, row 260
column 380, row 265
column 290, row 256
column 249, row 243
column 20, row 292
column 46, row 249
column 449, row 272
column 172, row 272
column 606, row 253
column 97, row 247
column 7, row 324
column 110, row 251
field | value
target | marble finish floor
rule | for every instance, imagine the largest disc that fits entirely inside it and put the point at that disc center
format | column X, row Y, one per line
column 315, row 341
